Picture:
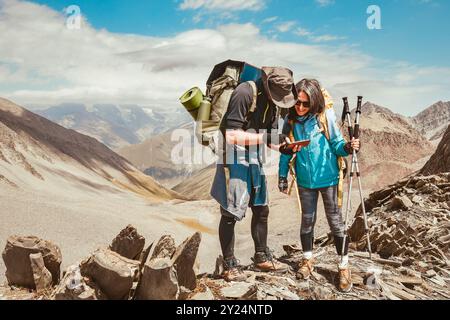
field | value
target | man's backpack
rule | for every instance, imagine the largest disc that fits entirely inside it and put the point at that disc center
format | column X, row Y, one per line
column 323, row 123
column 221, row 84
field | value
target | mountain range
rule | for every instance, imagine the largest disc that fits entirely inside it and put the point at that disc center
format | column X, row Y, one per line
column 37, row 154
column 433, row 121
column 115, row 126
column 154, row 156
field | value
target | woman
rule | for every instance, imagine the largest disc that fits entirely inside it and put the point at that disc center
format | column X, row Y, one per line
column 317, row 171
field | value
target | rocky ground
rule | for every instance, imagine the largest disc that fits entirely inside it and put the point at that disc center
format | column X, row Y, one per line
column 409, row 232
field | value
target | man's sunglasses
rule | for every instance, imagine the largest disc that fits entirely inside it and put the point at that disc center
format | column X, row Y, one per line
column 305, row 104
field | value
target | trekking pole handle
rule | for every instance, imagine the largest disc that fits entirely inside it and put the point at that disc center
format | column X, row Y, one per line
column 346, row 114
column 358, row 114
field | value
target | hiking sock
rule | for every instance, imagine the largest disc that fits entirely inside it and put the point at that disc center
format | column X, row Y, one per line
column 260, row 228
column 343, row 264
column 226, row 236
column 308, row 255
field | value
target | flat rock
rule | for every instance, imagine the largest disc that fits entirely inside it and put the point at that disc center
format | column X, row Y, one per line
column 280, row 292
column 322, row 293
column 128, row 243
column 113, row 273
column 430, row 273
column 239, row 290
column 417, row 199
column 17, row 260
column 207, row 295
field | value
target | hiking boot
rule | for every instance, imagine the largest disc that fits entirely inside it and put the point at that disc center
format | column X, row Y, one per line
column 265, row 262
column 345, row 280
column 232, row 272
column 306, row 267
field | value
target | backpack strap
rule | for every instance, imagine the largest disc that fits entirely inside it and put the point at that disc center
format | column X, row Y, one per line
column 254, row 101
column 291, row 131
column 323, row 124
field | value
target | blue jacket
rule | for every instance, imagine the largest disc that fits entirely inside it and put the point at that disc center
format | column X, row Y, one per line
column 316, row 165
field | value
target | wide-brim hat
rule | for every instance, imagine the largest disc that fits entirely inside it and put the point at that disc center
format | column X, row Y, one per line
column 279, row 85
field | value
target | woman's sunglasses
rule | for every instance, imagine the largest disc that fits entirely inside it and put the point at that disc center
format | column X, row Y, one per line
column 304, row 103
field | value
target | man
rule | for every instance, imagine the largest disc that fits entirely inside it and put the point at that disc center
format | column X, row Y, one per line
column 246, row 186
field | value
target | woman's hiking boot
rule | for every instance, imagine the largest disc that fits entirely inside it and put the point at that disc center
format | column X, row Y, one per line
column 345, row 280
column 305, row 269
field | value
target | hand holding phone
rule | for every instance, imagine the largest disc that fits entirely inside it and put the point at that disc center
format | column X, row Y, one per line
column 291, row 148
column 303, row 143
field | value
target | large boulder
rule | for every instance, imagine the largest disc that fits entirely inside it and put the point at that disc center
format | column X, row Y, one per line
column 128, row 243
column 440, row 161
column 113, row 273
column 158, row 281
column 165, row 248
column 17, row 260
column 74, row 287
column 42, row 277
column 400, row 203
column 184, row 261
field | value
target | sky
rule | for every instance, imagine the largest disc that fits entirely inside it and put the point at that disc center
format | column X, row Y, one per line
column 149, row 52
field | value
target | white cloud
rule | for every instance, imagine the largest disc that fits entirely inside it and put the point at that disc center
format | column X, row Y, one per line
column 302, row 32
column 270, row 20
column 233, row 5
column 324, row 3
column 285, row 26
column 326, row 37
column 42, row 62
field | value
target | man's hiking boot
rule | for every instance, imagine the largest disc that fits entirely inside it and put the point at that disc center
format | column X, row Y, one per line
column 232, row 272
column 265, row 262
column 345, row 280
column 305, row 269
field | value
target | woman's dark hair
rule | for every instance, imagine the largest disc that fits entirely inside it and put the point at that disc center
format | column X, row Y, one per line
column 316, row 100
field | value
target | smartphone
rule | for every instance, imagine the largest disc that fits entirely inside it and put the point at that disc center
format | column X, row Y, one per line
column 303, row 143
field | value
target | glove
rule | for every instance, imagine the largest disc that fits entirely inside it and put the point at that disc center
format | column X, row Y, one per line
column 274, row 139
column 283, row 184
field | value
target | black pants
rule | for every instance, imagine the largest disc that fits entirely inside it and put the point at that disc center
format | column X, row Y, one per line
column 309, row 199
column 259, row 231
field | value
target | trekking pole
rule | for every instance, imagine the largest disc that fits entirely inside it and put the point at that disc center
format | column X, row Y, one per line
column 291, row 164
column 294, row 176
column 354, row 133
column 358, row 174
column 346, row 114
